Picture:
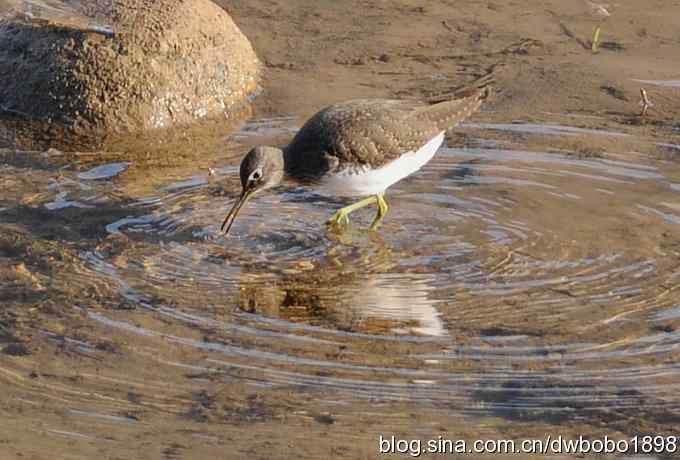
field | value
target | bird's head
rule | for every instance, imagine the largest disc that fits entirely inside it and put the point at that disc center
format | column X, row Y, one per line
column 261, row 168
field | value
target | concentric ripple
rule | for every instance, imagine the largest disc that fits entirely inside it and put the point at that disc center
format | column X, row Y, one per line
column 504, row 279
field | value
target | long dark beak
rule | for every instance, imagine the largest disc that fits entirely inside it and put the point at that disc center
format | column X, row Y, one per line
column 229, row 220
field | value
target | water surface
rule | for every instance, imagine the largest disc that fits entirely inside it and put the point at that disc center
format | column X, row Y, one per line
column 510, row 287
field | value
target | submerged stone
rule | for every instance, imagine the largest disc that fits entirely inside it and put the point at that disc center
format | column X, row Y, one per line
column 131, row 66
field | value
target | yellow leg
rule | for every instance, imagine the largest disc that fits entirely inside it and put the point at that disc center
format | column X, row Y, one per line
column 382, row 211
column 341, row 217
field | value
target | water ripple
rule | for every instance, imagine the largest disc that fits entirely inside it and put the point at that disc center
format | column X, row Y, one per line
column 502, row 280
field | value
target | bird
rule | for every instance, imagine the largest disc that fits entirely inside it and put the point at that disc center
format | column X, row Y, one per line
column 357, row 148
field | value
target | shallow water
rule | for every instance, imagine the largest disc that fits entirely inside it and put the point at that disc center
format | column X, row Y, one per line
column 506, row 282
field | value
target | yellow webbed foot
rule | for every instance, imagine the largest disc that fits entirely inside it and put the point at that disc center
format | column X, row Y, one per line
column 341, row 217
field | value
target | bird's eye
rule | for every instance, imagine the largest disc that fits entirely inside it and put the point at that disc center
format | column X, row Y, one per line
column 255, row 176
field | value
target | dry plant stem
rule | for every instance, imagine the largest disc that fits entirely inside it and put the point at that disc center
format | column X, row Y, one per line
column 596, row 39
column 644, row 102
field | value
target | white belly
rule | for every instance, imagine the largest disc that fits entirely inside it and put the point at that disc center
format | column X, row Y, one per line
column 363, row 181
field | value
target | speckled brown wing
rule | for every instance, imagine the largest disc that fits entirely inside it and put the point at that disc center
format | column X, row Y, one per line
column 370, row 132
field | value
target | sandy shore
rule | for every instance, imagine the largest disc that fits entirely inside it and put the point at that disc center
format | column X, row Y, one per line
column 322, row 52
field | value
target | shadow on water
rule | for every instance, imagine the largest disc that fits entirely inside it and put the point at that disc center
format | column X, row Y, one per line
column 541, row 287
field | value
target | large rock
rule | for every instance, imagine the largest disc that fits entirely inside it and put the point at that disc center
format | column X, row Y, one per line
column 155, row 64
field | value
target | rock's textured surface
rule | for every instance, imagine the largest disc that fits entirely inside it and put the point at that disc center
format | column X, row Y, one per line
column 161, row 63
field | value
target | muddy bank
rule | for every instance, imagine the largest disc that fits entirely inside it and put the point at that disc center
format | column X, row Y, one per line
column 321, row 52
column 158, row 64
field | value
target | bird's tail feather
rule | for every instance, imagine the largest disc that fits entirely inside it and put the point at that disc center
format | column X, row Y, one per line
column 485, row 82
column 450, row 113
